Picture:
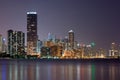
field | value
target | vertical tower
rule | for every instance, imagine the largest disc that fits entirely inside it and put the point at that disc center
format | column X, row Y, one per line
column 66, row 43
column 16, row 41
column 19, row 41
column 71, row 39
column 10, row 42
column 39, row 45
column 4, row 45
column 31, row 32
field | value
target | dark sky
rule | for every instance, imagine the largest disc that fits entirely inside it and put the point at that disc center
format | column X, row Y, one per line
column 92, row 20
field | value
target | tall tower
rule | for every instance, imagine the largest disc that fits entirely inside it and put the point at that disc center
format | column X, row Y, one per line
column 71, row 38
column 10, row 42
column 31, row 32
column 4, row 45
column 16, row 41
column 19, row 42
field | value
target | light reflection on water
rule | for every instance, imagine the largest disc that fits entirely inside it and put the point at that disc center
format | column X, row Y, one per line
column 35, row 70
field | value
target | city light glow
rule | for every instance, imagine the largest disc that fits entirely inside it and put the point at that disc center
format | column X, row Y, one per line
column 31, row 12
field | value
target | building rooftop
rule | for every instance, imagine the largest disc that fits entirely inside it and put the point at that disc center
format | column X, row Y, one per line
column 70, row 31
column 31, row 12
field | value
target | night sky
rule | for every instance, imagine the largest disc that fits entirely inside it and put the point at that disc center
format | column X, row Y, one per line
column 92, row 20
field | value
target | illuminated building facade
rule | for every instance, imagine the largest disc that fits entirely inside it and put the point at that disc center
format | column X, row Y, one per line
column 45, row 51
column 16, row 41
column 4, row 47
column 114, row 50
column 71, row 39
column 31, row 32
column 10, row 42
column 65, row 43
column 39, row 45
column 2, row 44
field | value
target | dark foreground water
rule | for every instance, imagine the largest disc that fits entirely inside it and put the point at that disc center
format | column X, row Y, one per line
column 58, row 70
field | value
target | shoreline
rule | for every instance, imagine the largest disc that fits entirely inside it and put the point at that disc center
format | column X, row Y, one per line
column 96, row 60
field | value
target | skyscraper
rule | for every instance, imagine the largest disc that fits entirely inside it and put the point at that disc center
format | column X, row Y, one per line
column 31, row 32
column 71, row 38
column 66, row 43
column 10, row 42
column 4, row 47
column 39, row 45
column 16, row 41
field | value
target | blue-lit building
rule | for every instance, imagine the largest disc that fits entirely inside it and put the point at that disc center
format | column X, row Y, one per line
column 39, row 46
column 51, row 37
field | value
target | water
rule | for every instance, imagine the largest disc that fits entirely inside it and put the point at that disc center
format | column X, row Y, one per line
column 43, row 70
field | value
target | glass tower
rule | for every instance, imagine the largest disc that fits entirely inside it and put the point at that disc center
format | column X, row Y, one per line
column 71, row 39
column 31, row 32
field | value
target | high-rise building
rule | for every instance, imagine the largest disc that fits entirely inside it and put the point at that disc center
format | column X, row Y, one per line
column 16, row 41
column 31, row 32
column 2, row 44
column 49, row 37
column 4, row 47
column 65, row 40
column 39, row 46
column 71, row 39
column 10, row 42
column 114, row 50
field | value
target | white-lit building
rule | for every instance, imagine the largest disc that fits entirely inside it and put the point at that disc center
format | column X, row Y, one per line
column 114, row 50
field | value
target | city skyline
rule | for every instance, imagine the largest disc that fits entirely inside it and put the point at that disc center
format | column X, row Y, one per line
column 92, row 21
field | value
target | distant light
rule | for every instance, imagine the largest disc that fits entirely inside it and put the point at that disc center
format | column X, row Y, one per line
column 84, row 45
column 66, row 37
column 31, row 12
column 88, row 46
column 113, row 43
column 3, row 39
column 78, row 44
column 93, row 44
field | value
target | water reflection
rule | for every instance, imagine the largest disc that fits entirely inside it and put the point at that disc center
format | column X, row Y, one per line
column 31, row 70
column 4, row 72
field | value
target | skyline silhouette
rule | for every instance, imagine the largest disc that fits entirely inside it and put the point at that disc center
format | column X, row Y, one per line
column 92, row 21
